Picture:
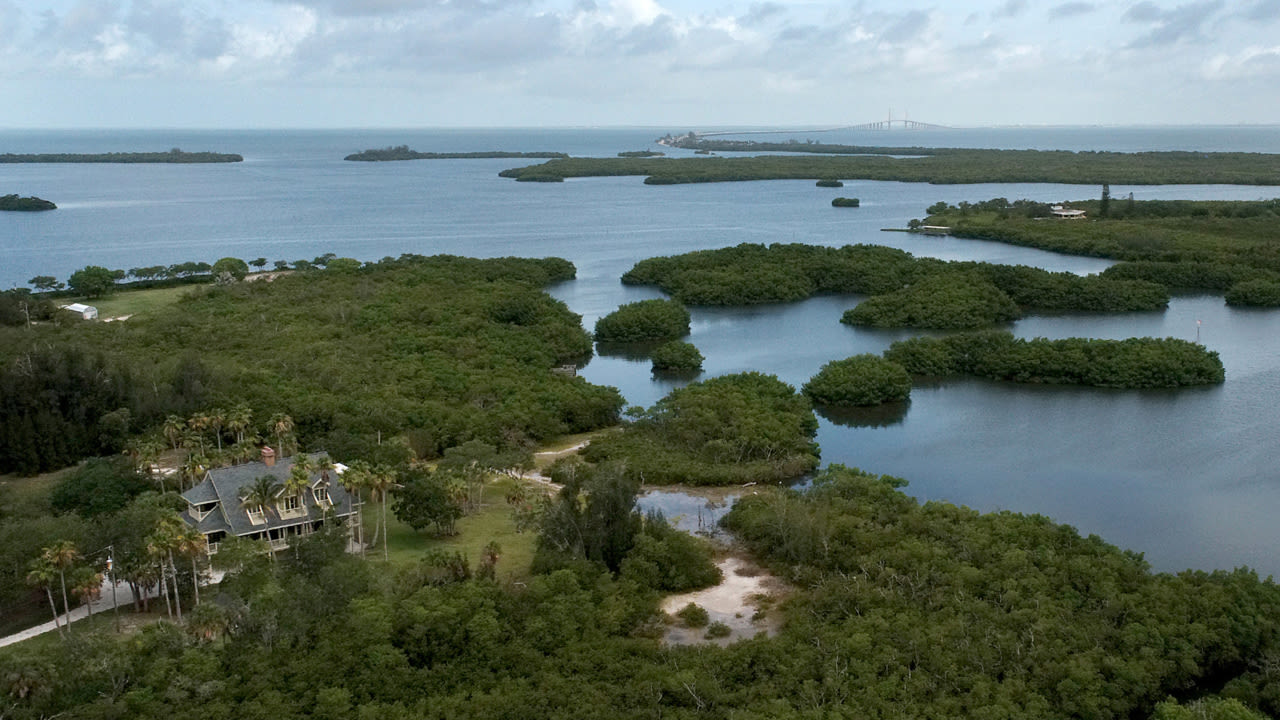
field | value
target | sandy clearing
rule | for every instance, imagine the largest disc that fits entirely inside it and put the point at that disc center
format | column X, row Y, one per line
column 732, row 602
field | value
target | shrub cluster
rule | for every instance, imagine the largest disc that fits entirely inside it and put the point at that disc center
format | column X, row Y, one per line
column 859, row 380
column 958, row 302
column 728, row 430
column 1259, row 292
column 676, row 356
column 644, row 321
column 830, row 183
column 845, row 202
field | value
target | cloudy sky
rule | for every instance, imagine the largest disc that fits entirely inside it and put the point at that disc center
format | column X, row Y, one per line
column 399, row 63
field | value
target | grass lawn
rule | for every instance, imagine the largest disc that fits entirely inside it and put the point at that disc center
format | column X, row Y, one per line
column 132, row 302
column 493, row 522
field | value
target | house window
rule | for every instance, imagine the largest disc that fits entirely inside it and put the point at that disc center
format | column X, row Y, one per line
column 292, row 503
column 256, row 514
column 322, row 496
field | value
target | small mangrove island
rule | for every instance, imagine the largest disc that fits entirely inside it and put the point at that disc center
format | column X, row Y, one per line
column 1133, row 363
column 402, row 152
column 859, row 381
column 640, row 154
column 676, row 357
column 644, row 321
column 175, row 156
column 846, row 202
column 25, row 204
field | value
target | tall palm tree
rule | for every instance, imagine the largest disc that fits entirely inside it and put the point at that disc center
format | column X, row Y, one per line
column 62, row 555
column 238, row 421
column 261, row 493
column 382, row 480
column 217, row 418
column 160, row 545
column 190, row 542
column 198, row 423
column 42, row 575
column 299, row 478
column 173, row 427
column 323, row 465
column 355, row 479
column 281, row 425
column 193, row 469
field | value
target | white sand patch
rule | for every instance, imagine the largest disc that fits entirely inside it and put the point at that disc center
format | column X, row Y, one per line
column 733, row 602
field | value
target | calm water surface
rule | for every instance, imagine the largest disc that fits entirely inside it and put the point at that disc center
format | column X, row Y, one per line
column 1187, row 477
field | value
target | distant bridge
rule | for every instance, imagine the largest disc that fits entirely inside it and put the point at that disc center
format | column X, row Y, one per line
column 889, row 123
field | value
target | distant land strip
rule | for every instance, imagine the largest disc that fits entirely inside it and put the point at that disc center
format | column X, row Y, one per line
column 172, row 156
column 28, row 204
column 403, row 152
column 942, row 166
column 693, row 142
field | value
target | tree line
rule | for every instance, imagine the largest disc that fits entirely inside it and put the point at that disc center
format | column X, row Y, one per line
column 174, row 155
column 402, row 152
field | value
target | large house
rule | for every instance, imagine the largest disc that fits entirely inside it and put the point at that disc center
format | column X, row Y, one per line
column 216, row 508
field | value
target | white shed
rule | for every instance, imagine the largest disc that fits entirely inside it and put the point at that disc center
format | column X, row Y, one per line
column 88, row 312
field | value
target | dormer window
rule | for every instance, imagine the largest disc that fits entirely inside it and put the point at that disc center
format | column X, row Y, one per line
column 257, row 515
column 322, row 497
column 291, row 503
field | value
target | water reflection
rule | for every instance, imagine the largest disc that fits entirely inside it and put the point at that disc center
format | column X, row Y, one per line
column 876, row 416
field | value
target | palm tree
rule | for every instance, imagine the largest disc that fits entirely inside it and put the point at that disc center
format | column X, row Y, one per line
column 299, row 477
column 217, row 419
column 86, row 584
column 41, row 575
column 193, row 469
column 262, row 493
column 323, row 465
column 191, row 543
column 281, row 425
column 381, row 480
column 161, row 544
column 62, row 555
column 198, row 423
column 355, row 479
column 173, row 427
column 238, row 420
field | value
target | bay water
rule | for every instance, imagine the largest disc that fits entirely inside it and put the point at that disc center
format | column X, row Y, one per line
column 1188, row 477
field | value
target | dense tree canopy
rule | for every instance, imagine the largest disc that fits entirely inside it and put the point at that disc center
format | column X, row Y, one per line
column 747, row 427
column 1130, row 363
column 443, row 350
column 857, row 381
column 644, row 321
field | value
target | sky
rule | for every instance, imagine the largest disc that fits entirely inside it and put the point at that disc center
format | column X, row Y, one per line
column 665, row 63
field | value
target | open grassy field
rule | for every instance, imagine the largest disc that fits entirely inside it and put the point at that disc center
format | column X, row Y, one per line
column 133, row 302
column 493, row 522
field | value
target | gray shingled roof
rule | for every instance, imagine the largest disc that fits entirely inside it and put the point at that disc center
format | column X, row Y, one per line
column 227, row 485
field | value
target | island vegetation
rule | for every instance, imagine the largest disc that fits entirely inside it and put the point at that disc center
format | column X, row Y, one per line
column 845, row 202
column 936, row 165
column 402, row 152
column 829, row 183
column 175, row 155
column 861, row 380
column 896, row 608
column 907, row 291
column 1133, row 363
column 27, row 204
column 729, row 430
column 437, row 351
column 1183, row 245
column 644, row 321
column 640, row 154
column 676, row 357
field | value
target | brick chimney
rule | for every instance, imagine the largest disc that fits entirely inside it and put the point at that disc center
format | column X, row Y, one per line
column 268, row 456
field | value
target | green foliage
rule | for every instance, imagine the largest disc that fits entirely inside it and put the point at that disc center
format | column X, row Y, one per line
column 20, row 307
column 1259, row 292
column 173, row 156
column 957, row 301
column 92, row 281
column 235, row 267
column 676, row 356
column 830, row 183
column 845, row 202
column 751, row 274
column 732, row 429
column 100, row 486
column 1131, row 363
column 935, row 165
column 643, row 321
column 718, row 629
column 640, row 154
column 28, row 204
column 425, row 500
column 402, row 152
column 669, row 560
column 693, row 616
column 592, row 518
column 1212, row 708
column 859, row 380
column 427, row 345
